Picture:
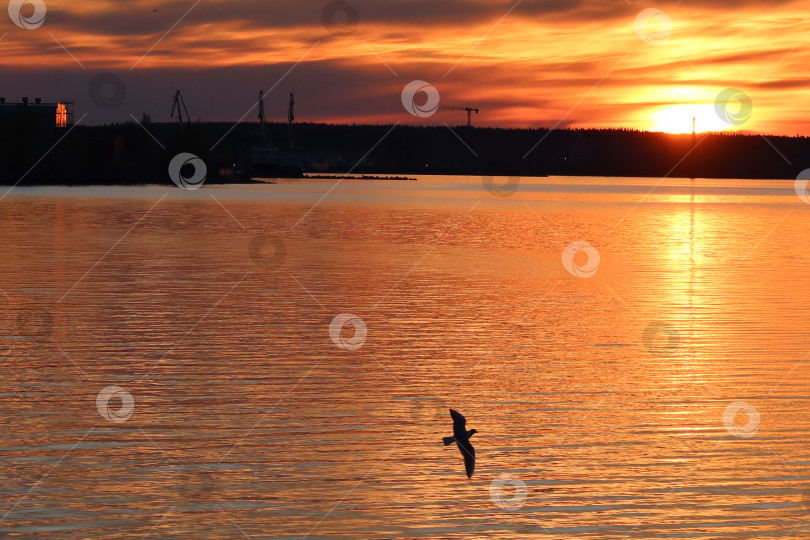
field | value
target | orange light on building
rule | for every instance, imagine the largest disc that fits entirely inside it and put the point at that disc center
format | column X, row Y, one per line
column 61, row 115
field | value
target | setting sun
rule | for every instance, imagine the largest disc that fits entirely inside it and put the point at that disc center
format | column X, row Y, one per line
column 678, row 119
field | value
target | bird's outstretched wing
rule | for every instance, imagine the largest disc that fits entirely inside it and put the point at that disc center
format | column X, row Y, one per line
column 468, row 452
column 459, row 422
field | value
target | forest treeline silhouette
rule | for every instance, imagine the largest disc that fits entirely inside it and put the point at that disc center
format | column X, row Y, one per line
column 132, row 154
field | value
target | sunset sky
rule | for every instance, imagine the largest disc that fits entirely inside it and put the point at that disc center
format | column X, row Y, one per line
column 526, row 63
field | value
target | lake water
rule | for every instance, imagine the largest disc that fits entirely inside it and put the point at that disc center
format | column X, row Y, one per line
column 634, row 354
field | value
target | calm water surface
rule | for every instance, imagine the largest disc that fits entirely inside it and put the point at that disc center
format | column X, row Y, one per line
column 605, row 399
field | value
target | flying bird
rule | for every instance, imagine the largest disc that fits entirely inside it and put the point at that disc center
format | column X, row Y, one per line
column 462, row 438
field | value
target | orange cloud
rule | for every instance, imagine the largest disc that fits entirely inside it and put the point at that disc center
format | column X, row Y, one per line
column 543, row 64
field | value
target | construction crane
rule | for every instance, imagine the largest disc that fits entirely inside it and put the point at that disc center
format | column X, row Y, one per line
column 291, row 117
column 261, row 114
column 179, row 105
column 469, row 110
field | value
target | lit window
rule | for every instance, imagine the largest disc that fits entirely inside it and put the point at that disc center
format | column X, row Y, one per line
column 61, row 115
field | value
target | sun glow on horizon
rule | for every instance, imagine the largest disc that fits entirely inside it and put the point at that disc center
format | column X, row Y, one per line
column 678, row 119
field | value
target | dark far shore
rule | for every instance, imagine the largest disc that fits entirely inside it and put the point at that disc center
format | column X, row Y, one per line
column 136, row 153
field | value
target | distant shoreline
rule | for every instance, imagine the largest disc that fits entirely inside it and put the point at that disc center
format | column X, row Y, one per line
column 312, row 176
column 138, row 154
column 279, row 181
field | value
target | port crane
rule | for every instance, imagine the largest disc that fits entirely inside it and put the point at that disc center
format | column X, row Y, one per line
column 261, row 115
column 469, row 110
column 291, row 117
column 179, row 106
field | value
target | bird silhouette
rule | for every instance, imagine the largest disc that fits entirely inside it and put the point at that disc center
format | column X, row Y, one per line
column 462, row 438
